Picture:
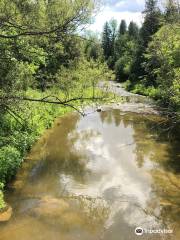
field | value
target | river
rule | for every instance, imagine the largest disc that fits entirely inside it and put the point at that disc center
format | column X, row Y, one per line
column 99, row 177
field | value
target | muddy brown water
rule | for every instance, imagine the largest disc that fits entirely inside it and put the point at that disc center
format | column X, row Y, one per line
column 98, row 178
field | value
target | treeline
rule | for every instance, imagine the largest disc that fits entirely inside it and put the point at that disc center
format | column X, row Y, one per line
column 147, row 58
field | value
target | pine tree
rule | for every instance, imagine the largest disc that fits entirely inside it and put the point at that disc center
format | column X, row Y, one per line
column 113, row 27
column 106, row 40
column 151, row 21
column 122, row 27
column 133, row 30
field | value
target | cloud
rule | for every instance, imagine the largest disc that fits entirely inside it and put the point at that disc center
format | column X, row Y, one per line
column 129, row 10
column 108, row 13
column 125, row 5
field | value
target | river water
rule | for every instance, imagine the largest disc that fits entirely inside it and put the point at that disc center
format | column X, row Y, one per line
column 98, row 178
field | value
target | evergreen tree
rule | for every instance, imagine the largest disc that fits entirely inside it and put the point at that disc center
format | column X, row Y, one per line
column 122, row 27
column 133, row 30
column 172, row 11
column 113, row 27
column 120, row 43
column 151, row 21
column 106, row 40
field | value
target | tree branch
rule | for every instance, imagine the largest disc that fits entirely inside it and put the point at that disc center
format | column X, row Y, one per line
column 49, row 100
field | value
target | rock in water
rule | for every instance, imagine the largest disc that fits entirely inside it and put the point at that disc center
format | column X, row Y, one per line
column 6, row 215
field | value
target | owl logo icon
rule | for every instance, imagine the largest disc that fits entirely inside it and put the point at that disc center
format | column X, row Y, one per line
column 139, row 231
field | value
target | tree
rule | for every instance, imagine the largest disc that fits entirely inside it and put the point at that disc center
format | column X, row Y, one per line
column 152, row 21
column 125, row 56
column 93, row 49
column 37, row 18
column 164, row 54
column 113, row 27
column 122, row 27
column 172, row 11
column 151, row 24
column 106, row 41
column 36, row 38
column 133, row 30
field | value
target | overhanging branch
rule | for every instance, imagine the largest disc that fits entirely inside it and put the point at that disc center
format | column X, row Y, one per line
column 52, row 100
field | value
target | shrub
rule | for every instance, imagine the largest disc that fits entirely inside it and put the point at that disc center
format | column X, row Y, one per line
column 10, row 160
column 2, row 202
column 147, row 91
column 122, row 69
column 128, row 85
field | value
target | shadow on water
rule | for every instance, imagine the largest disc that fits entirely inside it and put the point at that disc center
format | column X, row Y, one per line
column 98, row 177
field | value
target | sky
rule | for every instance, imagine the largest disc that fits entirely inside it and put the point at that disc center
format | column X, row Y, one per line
column 129, row 10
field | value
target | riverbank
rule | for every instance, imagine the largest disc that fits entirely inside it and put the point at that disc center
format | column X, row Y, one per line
column 170, row 108
column 19, row 134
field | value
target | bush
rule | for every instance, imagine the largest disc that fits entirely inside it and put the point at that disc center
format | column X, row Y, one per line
column 147, row 91
column 2, row 202
column 139, row 89
column 122, row 69
column 10, row 160
column 128, row 85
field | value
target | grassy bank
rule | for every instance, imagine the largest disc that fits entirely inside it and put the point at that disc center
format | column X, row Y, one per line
column 170, row 102
column 18, row 134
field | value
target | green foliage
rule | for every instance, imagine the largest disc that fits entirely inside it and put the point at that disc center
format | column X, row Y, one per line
column 172, row 11
column 150, row 57
column 133, row 30
column 36, row 38
column 127, row 85
column 2, row 202
column 163, row 54
column 125, row 52
column 17, row 137
column 151, row 24
column 122, row 27
column 41, row 55
column 119, row 44
column 147, row 91
column 122, row 68
column 108, row 41
column 9, row 162
column 93, row 49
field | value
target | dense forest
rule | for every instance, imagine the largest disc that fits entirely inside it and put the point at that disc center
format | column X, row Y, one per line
column 48, row 67
column 148, row 57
